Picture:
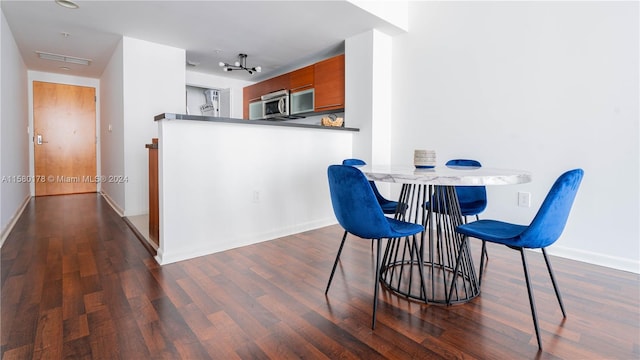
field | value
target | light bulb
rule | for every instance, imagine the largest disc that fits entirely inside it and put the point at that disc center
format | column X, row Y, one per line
column 258, row 68
column 221, row 64
column 237, row 63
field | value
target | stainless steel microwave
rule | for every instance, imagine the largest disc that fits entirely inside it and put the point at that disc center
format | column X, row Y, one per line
column 275, row 104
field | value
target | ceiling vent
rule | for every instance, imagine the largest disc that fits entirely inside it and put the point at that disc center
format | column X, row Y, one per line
column 63, row 58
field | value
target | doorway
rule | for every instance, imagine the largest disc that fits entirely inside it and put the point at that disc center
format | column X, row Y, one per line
column 64, row 124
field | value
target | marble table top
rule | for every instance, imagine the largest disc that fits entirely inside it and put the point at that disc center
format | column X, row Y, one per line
column 445, row 175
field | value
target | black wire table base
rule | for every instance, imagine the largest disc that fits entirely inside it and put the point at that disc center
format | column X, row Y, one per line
column 421, row 267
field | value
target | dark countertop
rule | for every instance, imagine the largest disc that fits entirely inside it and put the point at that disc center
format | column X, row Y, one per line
column 171, row 116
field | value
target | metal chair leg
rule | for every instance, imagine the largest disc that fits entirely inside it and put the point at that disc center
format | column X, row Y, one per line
column 483, row 254
column 553, row 281
column 531, row 300
column 344, row 237
column 376, row 285
column 484, row 250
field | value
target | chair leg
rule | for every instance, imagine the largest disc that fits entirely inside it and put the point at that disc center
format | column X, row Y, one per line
column 482, row 265
column 344, row 237
column 531, row 300
column 376, row 285
column 484, row 248
column 553, row 281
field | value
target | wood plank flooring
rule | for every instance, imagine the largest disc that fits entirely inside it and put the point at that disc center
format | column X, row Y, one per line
column 78, row 284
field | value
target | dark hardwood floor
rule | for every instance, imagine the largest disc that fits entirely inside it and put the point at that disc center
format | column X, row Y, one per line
column 77, row 283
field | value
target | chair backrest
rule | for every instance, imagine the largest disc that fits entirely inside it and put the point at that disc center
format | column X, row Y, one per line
column 353, row 162
column 355, row 204
column 549, row 222
column 463, row 162
column 476, row 195
column 358, row 162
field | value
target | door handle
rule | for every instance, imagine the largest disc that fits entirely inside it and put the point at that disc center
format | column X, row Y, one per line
column 39, row 140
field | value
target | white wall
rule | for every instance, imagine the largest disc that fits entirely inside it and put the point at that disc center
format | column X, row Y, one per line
column 368, row 79
column 14, row 139
column 231, row 185
column 194, row 78
column 142, row 80
column 541, row 86
column 154, row 82
column 112, row 128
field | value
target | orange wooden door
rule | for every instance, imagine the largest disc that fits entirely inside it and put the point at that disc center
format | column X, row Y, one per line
column 64, row 124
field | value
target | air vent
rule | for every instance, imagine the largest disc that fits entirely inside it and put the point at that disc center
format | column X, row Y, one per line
column 63, row 58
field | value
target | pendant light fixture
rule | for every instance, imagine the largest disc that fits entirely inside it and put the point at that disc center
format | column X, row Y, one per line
column 241, row 64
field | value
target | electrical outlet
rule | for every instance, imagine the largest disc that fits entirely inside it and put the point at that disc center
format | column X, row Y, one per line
column 524, row 199
column 256, row 196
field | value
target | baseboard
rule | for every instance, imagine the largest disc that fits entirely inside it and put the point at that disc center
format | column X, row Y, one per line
column 613, row 262
column 164, row 259
column 112, row 203
column 7, row 230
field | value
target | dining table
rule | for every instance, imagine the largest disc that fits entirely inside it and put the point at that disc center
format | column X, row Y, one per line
column 422, row 267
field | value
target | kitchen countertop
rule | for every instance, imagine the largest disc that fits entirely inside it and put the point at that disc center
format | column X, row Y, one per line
column 172, row 116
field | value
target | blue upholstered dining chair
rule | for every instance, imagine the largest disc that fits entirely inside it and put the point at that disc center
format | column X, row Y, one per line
column 359, row 213
column 388, row 206
column 472, row 199
column 545, row 228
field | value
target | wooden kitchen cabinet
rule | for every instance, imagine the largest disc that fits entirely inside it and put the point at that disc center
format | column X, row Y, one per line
column 325, row 77
column 277, row 83
column 301, row 79
column 250, row 94
column 253, row 92
column 329, row 84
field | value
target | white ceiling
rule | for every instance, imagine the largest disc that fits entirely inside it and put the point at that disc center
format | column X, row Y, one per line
column 277, row 35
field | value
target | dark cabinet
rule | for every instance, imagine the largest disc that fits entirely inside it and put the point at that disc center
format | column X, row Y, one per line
column 329, row 84
column 325, row 77
column 301, row 79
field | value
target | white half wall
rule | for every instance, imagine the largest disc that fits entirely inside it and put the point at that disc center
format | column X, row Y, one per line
column 232, row 185
column 541, row 86
column 14, row 137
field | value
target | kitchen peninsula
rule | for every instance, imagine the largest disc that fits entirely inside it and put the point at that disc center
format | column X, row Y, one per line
column 170, row 116
column 225, row 183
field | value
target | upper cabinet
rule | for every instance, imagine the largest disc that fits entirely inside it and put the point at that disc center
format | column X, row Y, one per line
column 301, row 79
column 329, row 84
column 253, row 92
column 325, row 77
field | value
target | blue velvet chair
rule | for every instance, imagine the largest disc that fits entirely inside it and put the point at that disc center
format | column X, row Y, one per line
column 545, row 228
column 388, row 206
column 359, row 213
column 472, row 199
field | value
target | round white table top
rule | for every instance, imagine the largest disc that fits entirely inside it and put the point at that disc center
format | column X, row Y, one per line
column 445, row 175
